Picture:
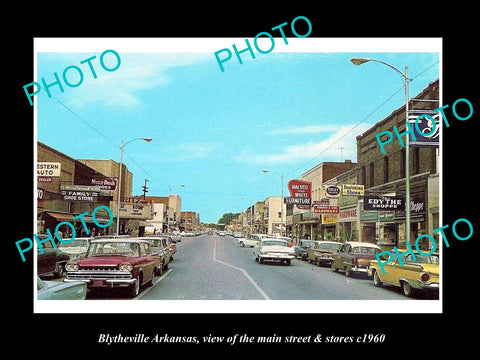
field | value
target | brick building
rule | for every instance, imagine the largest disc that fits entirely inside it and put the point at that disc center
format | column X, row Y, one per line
column 384, row 174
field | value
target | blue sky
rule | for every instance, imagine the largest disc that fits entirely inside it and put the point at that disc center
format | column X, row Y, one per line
column 215, row 131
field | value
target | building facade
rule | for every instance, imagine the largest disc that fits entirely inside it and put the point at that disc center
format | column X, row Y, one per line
column 385, row 175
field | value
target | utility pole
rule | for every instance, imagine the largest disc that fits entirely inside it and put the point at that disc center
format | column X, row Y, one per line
column 145, row 188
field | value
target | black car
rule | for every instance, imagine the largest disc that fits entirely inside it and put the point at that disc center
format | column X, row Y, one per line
column 301, row 248
column 52, row 261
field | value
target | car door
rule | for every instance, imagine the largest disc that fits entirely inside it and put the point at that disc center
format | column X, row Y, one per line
column 342, row 256
column 148, row 262
column 46, row 259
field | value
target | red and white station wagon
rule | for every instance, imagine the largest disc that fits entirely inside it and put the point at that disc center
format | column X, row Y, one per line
column 109, row 263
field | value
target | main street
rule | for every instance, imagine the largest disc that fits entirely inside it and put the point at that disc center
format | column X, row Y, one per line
column 211, row 267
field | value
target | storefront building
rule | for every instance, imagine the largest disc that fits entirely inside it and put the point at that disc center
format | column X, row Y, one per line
column 63, row 192
column 383, row 176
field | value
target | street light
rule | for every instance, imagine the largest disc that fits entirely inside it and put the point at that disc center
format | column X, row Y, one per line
column 359, row 61
column 168, row 203
column 283, row 200
column 122, row 145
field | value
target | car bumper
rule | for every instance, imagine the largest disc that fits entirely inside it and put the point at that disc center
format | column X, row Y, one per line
column 360, row 269
column 325, row 258
column 431, row 286
column 104, row 282
column 277, row 256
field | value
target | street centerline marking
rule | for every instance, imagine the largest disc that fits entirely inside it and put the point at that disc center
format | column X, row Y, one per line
column 249, row 278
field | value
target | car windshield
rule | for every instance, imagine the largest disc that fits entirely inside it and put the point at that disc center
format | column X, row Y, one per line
column 74, row 243
column 113, row 248
column 306, row 243
column 365, row 250
column 330, row 246
column 274, row 242
column 155, row 242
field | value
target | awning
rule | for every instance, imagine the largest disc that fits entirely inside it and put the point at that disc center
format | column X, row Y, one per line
column 57, row 216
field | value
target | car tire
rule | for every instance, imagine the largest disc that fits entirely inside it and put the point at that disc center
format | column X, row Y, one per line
column 61, row 271
column 242, row 244
column 376, row 279
column 260, row 260
column 407, row 289
column 288, row 262
column 334, row 269
column 159, row 270
column 135, row 288
column 348, row 271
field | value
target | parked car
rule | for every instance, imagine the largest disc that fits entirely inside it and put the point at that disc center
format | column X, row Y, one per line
column 50, row 260
column 173, row 247
column 54, row 290
column 77, row 248
column 125, row 263
column 421, row 274
column 238, row 234
column 322, row 252
column 221, row 233
column 175, row 237
column 273, row 249
column 354, row 257
column 251, row 240
column 160, row 247
column 287, row 239
column 301, row 248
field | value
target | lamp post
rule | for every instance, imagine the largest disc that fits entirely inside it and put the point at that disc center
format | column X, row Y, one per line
column 122, row 145
column 283, row 200
column 168, row 204
column 359, row 61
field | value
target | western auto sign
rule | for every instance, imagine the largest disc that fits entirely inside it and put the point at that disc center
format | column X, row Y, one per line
column 301, row 194
column 49, row 169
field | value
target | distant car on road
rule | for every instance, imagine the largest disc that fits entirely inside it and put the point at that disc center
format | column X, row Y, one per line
column 251, row 240
column 273, row 249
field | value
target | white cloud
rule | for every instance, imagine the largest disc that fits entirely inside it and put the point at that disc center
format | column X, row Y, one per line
column 308, row 129
column 339, row 146
column 137, row 72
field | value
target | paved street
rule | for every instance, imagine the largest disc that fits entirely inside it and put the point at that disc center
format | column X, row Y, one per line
column 210, row 267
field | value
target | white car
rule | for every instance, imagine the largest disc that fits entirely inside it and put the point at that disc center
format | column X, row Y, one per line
column 251, row 240
column 273, row 249
column 77, row 248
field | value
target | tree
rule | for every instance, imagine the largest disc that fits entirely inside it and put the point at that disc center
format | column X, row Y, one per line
column 227, row 218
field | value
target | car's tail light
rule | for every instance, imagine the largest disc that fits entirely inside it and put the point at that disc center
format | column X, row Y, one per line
column 425, row 277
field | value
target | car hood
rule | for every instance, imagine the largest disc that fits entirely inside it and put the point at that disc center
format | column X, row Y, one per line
column 104, row 261
column 327, row 251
